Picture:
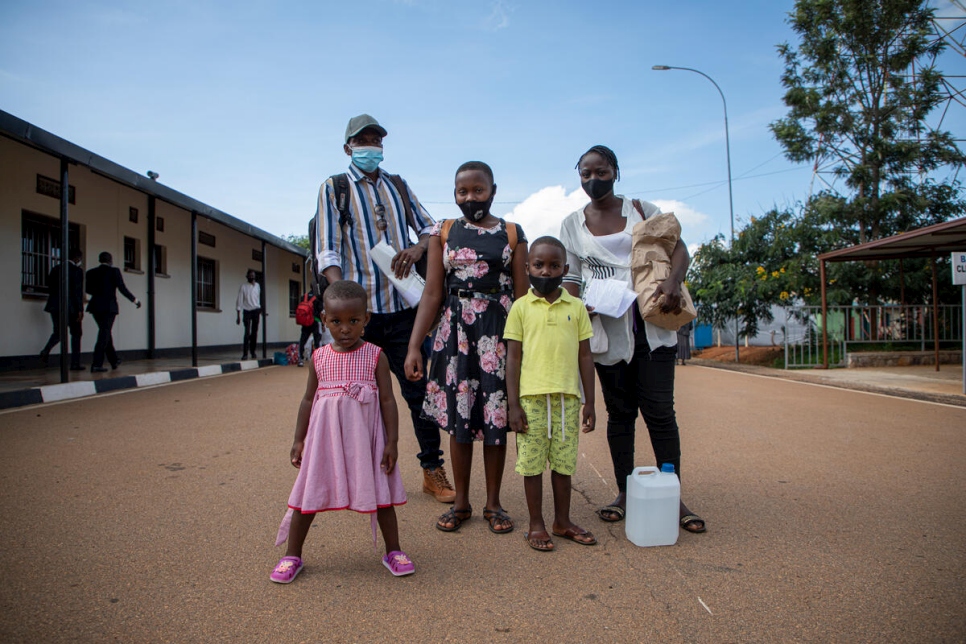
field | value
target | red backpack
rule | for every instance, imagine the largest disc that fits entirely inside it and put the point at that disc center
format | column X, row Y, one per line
column 305, row 311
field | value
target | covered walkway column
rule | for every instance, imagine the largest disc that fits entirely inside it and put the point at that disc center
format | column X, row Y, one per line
column 152, row 324
column 64, row 272
column 264, row 312
column 194, row 288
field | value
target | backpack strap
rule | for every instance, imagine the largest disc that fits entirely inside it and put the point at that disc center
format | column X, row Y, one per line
column 444, row 231
column 639, row 207
column 511, row 235
column 397, row 181
column 341, row 183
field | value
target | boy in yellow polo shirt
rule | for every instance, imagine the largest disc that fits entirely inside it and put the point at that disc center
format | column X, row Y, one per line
column 548, row 359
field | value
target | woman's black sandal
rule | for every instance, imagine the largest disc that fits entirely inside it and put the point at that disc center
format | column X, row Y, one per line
column 615, row 513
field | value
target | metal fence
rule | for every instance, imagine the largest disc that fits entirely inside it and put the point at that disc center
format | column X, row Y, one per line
column 864, row 325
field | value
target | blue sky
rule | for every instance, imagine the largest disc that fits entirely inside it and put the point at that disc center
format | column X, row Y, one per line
column 243, row 105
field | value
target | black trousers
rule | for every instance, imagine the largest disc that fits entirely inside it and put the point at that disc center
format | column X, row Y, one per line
column 390, row 332
column 250, row 322
column 307, row 331
column 76, row 331
column 105, row 341
column 645, row 385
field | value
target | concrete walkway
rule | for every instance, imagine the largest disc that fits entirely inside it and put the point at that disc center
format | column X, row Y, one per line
column 34, row 386
column 917, row 382
column 149, row 516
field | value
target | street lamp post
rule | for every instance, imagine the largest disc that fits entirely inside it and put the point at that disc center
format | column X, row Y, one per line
column 731, row 203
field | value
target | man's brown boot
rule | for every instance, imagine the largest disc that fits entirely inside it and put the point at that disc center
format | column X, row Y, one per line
column 436, row 483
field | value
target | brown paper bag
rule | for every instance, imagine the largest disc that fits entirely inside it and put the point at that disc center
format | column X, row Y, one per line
column 653, row 241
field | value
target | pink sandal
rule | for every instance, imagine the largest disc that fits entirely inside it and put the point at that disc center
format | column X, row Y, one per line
column 398, row 563
column 286, row 570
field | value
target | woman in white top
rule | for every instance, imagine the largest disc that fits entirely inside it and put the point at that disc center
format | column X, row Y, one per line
column 634, row 359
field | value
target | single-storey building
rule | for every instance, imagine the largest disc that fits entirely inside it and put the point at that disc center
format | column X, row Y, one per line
column 184, row 259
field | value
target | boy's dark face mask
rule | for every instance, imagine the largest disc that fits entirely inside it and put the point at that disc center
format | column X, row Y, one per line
column 546, row 285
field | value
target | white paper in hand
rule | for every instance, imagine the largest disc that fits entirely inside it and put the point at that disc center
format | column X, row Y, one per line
column 410, row 287
column 609, row 297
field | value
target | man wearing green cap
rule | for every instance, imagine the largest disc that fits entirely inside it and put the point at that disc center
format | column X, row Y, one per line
column 356, row 211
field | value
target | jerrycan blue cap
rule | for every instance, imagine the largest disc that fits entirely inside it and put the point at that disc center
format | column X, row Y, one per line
column 667, row 467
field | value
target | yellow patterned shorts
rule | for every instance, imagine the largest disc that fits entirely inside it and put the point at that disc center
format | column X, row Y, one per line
column 535, row 448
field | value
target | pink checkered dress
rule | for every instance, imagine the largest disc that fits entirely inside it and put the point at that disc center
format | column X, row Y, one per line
column 341, row 463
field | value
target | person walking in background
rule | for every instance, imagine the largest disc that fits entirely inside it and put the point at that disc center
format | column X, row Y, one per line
column 308, row 316
column 356, row 210
column 684, row 342
column 548, row 363
column 75, row 308
column 249, row 305
column 346, row 436
column 103, row 283
column 477, row 266
column 636, row 369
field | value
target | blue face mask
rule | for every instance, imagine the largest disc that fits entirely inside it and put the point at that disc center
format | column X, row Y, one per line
column 367, row 158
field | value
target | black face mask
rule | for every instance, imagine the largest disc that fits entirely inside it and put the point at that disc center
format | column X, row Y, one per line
column 475, row 210
column 597, row 188
column 546, row 285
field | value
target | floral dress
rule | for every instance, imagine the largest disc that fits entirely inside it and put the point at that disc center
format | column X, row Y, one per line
column 466, row 392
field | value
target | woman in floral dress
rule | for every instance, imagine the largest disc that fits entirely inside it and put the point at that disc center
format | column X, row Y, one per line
column 476, row 269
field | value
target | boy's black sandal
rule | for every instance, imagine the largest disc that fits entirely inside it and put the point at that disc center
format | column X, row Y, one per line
column 498, row 516
column 453, row 516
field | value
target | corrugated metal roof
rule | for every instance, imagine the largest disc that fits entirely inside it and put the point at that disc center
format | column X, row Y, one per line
column 931, row 241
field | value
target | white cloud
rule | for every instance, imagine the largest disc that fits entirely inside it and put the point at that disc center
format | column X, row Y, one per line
column 498, row 18
column 542, row 212
column 688, row 216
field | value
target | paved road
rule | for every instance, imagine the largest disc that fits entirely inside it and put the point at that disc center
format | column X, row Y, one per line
column 149, row 516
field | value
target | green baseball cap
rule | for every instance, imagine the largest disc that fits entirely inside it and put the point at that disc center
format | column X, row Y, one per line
column 359, row 123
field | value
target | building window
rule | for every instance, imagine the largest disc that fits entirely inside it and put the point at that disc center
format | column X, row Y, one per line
column 159, row 224
column 51, row 188
column 296, row 267
column 40, row 250
column 294, row 297
column 160, row 265
column 132, row 254
column 206, row 238
column 207, row 286
column 256, row 255
column 132, row 215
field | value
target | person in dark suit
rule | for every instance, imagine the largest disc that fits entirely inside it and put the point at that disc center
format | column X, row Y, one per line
column 103, row 283
column 75, row 308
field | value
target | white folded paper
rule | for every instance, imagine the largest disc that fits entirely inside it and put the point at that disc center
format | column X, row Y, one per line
column 411, row 286
column 609, row 297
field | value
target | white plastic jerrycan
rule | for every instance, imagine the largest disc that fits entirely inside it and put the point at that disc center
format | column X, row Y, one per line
column 653, row 500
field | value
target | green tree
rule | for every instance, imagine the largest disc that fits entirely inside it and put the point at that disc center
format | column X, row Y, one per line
column 772, row 262
column 302, row 241
column 858, row 113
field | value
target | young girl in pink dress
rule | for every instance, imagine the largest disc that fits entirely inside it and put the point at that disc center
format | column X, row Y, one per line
column 345, row 437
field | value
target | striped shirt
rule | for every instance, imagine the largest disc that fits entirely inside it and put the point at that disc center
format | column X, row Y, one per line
column 348, row 246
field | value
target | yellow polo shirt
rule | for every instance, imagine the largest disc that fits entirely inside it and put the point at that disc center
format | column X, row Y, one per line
column 550, row 335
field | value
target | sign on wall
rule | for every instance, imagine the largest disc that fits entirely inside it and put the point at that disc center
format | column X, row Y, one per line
column 959, row 268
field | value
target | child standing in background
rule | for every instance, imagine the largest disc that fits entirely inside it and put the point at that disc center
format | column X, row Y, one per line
column 548, row 359
column 477, row 266
column 345, row 444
